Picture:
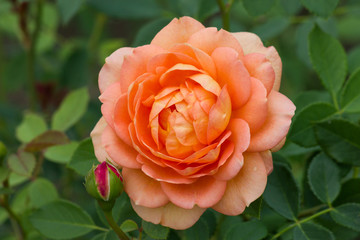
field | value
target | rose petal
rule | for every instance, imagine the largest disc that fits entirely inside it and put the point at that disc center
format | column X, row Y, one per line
column 120, row 152
column 177, row 31
column 277, row 124
column 260, row 68
column 255, row 111
column 207, row 82
column 251, row 43
column 142, row 189
column 109, row 98
column 96, row 134
column 241, row 138
column 205, row 192
column 110, row 72
column 246, row 187
column 232, row 72
column 268, row 162
column 209, row 39
column 170, row 215
column 122, row 120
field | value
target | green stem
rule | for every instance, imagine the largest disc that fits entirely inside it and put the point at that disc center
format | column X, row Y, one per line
column 96, row 32
column 15, row 220
column 225, row 13
column 301, row 222
column 356, row 172
column 31, row 55
column 333, row 96
column 311, row 211
column 114, row 226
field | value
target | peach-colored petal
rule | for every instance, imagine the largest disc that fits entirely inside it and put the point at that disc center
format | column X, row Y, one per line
column 177, row 31
column 177, row 74
column 209, row 39
column 183, row 129
column 277, row 124
column 251, row 43
column 268, row 162
column 143, row 190
column 96, row 134
column 241, row 138
column 119, row 151
column 205, row 192
column 122, row 120
column 109, row 98
column 207, row 82
column 219, row 115
column 200, row 122
column 170, row 215
column 110, row 72
column 175, row 148
column 167, row 60
column 279, row 145
column 246, row 187
column 232, row 72
column 260, row 68
column 255, row 111
column 205, row 61
column 135, row 65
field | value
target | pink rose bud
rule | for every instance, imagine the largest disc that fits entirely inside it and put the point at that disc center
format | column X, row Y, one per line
column 104, row 182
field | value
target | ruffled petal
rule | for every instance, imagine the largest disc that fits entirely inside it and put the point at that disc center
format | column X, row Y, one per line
column 177, row 31
column 205, row 192
column 170, row 215
column 142, row 189
column 96, row 134
column 268, row 162
column 246, row 187
column 122, row 120
column 277, row 124
column 120, row 152
column 254, row 112
column 232, row 72
column 209, row 39
column 109, row 98
column 251, row 43
column 110, row 72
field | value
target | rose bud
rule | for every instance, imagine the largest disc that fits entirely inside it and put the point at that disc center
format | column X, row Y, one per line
column 104, row 182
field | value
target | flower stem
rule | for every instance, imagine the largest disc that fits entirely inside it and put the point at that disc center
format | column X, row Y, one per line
column 225, row 13
column 301, row 221
column 114, row 226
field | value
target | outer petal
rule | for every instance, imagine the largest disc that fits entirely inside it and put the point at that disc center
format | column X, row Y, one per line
column 122, row 120
column 280, row 112
column 177, row 31
column 232, row 72
column 170, row 215
column 247, row 186
column 96, row 134
column 209, row 39
column 110, row 72
column 251, row 43
column 143, row 190
column 267, row 158
column 109, row 99
column 205, row 192
column 254, row 112
column 241, row 138
column 119, row 151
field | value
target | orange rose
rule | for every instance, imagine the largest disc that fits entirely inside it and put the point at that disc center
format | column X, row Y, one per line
column 191, row 119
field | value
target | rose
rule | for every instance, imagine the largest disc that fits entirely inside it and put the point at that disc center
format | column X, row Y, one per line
column 191, row 119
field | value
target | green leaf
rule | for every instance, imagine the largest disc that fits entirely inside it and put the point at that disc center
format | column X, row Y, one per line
column 4, row 173
column 200, row 230
column 323, row 8
column 347, row 215
column 128, row 226
column 282, row 192
column 311, row 231
column 62, row 219
column 307, row 98
column 155, row 231
column 5, row 191
column 291, row 7
column 350, row 97
column 71, row 110
column 253, row 230
column 83, row 158
column 349, row 192
column 324, row 180
column 148, row 31
column 340, row 139
column 45, row 140
column 41, row 192
column 68, row 8
column 135, row 9
column 61, row 153
column 354, row 59
column 301, row 131
column 31, row 126
column 272, row 27
column 110, row 235
column 328, row 58
column 254, row 209
column 23, row 163
column 258, row 7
